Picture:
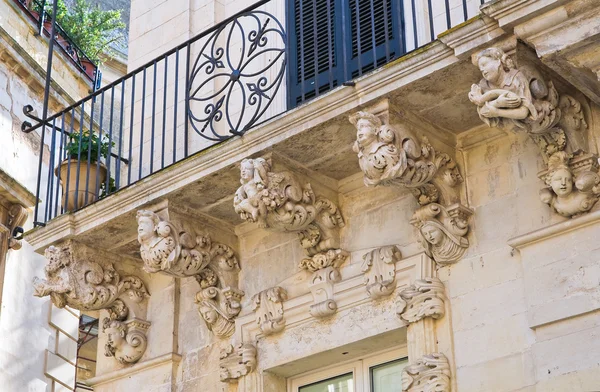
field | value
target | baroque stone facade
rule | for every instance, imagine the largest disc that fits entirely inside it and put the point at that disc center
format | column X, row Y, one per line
column 395, row 220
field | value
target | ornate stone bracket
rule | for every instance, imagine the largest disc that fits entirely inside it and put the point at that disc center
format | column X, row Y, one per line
column 17, row 215
column 379, row 267
column 520, row 99
column 391, row 155
column 325, row 273
column 424, row 298
column 431, row 373
column 278, row 201
column 268, row 308
column 442, row 231
column 166, row 248
column 84, row 280
column 236, row 362
column 126, row 340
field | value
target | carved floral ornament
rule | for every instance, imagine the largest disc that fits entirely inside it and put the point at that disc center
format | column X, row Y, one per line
column 79, row 278
column 518, row 98
column 236, row 361
column 268, row 308
column 390, row 155
column 166, row 248
column 379, row 268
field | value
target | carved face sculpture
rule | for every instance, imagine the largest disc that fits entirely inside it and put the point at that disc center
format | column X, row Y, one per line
column 247, row 171
column 432, row 234
column 562, row 182
column 115, row 337
column 145, row 229
column 490, row 68
column 209, row 314
column 366, row 132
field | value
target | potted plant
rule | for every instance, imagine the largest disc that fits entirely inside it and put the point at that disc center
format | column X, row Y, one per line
column 81, row 179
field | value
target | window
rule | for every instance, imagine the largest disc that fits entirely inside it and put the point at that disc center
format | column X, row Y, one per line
column 334, row 41
column 377, row 373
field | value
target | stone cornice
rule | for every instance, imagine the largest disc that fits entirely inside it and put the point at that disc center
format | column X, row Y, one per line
column 561, row 228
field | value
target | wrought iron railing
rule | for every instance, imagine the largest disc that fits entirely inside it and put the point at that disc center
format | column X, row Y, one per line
column 219, row 85
column 43, row 20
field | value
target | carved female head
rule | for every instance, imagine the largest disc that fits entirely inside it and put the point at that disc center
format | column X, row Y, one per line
column 441, row 235
column 247, row 170
column 493, row 63
column 115, row 335
column 147, row 224
column 256, row 171
column 560, row 177
column 208, row 313
column 432, row 233
column 367, row 126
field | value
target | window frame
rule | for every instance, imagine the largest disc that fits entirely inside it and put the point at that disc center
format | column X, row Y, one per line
column 360, row 368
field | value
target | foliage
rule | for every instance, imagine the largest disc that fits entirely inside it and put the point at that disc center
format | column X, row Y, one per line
column 112, row 188
column 87, row 144
column 92, row 29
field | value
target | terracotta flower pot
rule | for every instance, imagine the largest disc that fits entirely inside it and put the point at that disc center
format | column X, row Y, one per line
column 68, row 177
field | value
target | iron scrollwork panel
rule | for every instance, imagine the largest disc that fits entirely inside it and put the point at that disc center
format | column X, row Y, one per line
column 236, row 75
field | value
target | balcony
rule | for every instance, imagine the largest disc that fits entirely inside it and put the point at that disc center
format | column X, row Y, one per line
column 258, row 68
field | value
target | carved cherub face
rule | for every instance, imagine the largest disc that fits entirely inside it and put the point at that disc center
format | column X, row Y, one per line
column 490, row 68
column 562, row 182
column 366, row 133
column 247, row 171
column 209, row 314
column 115, row 337
column 432, row 234
column 146, row 229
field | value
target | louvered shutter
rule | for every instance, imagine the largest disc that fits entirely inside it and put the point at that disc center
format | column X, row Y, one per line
column 314, row 58
column 333, row 41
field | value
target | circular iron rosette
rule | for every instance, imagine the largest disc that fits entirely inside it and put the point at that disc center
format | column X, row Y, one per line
column 236, row 75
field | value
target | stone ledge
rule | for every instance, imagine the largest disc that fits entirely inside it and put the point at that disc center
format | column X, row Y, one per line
column 137, row 368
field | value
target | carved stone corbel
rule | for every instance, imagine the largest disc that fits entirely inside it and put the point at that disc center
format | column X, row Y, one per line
column 168, row 249
column 17, row 215
column 268, row 308
column 278, row 201
column 431, row 373
column 520, row 99
column 82, row 279
column 442, row 231
column 379, row 267
column 424, row 298
column 127, row 340
column 236, row 362
column 392, row 155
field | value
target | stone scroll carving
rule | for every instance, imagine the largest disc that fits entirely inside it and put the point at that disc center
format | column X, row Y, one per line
column 325, row 274
column 126, row 341
column 379, row 268
column 268, row 308
column 424, row 298
column 279, row 201
column 392, row 156
column 17, row 215
column 431, row 373
column 519, row 98
column 237, row 361
column 81, row 279
column 166, row 248
column 442, row 231
column 573, row 183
